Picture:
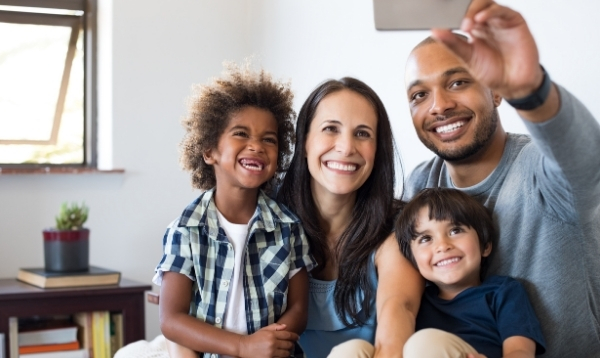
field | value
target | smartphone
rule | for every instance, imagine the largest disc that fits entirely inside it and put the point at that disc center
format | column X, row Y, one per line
column 419, row 14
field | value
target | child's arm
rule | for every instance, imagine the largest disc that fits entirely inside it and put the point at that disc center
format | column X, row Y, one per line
column 398, row 299
column 518, row 347
column 183, row 329
column 514, row 347
column 178, row 351
column 516, row 319
column 296, row 313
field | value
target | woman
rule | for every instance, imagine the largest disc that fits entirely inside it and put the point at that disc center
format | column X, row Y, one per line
column 341, row 185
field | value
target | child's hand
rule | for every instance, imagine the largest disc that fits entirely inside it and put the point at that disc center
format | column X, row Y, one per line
column 270, row 342
column 475, row 355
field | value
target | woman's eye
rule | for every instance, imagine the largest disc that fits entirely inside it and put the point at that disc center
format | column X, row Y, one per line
column 332, row 129
column 364, row 134
column 240, row 134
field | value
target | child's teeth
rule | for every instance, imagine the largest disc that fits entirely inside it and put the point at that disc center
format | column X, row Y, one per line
column 447, row 262
column 251, row 165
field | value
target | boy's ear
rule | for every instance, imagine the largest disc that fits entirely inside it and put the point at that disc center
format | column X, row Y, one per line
column 208, row 159
column 487, row 251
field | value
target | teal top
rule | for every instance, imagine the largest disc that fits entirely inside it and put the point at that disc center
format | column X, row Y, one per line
column 324, row 329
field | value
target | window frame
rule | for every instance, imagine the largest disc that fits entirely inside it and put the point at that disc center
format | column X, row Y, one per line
column 89, row 25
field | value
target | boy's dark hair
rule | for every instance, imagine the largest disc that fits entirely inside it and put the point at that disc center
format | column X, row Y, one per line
column 373, row 214
column 211, row 106
column 446, row 204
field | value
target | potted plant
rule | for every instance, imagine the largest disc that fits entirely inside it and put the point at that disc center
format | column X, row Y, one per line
column 66, row 247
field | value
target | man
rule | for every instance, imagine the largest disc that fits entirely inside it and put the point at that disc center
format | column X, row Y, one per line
column 543, row 189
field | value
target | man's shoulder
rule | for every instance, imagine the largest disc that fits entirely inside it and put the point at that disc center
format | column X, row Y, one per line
column 420, row 177
column 516, row 143
column 426, row 166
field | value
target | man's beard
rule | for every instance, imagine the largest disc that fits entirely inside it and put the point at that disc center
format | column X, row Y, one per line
column 483, row 134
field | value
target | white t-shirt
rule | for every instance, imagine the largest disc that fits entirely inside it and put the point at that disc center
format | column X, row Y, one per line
column 235, row 314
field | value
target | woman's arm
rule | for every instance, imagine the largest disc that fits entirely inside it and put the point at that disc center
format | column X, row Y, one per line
column 398, row 298
column 183, row 329
column 296, row 313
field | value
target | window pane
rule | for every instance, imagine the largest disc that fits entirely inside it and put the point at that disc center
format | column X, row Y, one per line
column 33, row 59
column 41, row 10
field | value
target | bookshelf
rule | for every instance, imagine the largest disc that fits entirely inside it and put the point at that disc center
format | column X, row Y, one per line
column 19, row 299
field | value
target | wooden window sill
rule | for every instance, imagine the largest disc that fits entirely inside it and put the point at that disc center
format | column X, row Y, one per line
column 58, row 170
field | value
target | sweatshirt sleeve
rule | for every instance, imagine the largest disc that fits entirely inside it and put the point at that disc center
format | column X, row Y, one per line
column 570, row 145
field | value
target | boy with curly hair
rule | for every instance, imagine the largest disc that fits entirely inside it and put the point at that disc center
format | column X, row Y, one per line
column 233, row 274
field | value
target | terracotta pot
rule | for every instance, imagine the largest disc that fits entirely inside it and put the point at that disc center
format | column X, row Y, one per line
column 66, row 250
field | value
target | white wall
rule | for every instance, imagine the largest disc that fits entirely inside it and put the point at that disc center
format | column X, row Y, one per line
column 160, row 48
column 312, row 40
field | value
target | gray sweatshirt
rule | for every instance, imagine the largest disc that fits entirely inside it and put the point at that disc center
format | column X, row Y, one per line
column 545, row 199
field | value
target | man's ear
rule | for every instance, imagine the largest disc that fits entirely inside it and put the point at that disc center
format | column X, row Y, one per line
column 208, row 159
column 497, row 99
column 487, row 251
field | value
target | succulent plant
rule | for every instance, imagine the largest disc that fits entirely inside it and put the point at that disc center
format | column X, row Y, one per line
column 71, row 217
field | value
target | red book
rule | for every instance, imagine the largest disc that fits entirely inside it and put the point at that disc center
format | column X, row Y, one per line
column 49, row 347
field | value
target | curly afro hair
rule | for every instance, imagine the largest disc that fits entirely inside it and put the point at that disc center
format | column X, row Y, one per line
column 211, row 106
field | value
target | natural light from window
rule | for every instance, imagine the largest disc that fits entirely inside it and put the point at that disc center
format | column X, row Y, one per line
column 41, row 94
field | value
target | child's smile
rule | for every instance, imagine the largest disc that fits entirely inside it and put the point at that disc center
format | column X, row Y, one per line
column 447, row 254
column 447, row 262
column 246, row 156
column 252, row 164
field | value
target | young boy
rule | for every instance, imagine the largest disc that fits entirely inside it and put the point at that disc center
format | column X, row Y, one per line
column 233, row 274
column 448, row 236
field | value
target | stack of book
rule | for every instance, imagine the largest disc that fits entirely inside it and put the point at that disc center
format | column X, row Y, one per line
column 97, row 334
column 49, row 338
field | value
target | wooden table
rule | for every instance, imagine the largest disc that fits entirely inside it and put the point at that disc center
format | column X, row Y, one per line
column 18, row 299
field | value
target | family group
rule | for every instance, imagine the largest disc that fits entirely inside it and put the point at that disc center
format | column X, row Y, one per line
column 298, row 247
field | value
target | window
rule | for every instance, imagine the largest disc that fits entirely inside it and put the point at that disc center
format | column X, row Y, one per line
column 47, row 83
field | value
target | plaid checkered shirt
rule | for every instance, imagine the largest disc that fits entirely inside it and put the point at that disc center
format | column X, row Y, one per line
column 195, row 245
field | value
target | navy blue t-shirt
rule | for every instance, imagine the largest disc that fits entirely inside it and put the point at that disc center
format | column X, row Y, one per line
column 484, row 316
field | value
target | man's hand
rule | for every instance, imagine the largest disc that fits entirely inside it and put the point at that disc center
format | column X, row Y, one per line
column 270, row 341
column 501, row 53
